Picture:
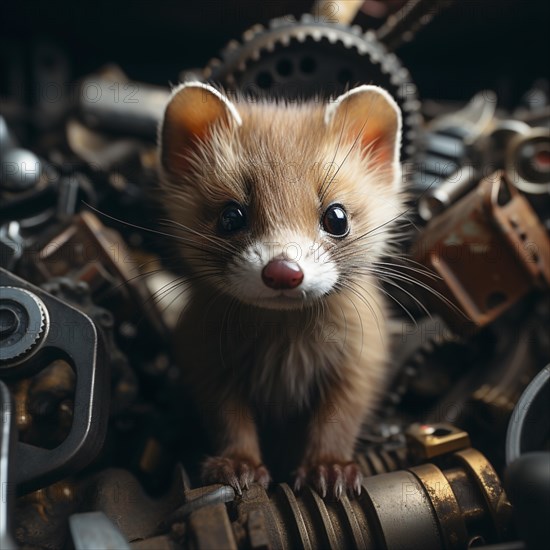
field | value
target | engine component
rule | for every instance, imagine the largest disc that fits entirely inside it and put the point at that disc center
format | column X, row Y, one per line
column 489, row 250
column 428, row 360
column 446, row 147
column 88, row 251
column 11, row 244
column 24, row 324
column 528, row 161
column 427, row 441
column 382, row 458
column 529, row 427
column 71, row 336
column 460, row 148
column 21, row 170
column 425, row 506
column 447, row 192
column 311, row 58
column 528, row 458
column 109, row 101
column 7, row 452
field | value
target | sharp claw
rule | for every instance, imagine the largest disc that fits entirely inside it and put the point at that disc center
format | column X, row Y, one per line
column 235, row 484
column 338, row 491
column 322, row 486
column 357, row 486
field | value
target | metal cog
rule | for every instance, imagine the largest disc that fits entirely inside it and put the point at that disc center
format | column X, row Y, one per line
column 421, row 361
column 313, row 59
column 26, row 323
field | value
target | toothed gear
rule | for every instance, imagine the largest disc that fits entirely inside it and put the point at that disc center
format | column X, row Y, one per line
column 431, row 338
column 23, row 323
column 309, row 58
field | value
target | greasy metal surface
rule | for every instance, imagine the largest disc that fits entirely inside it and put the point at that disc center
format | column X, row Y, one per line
column 490, row 487
column 403, row 512
column 451, row 524
column 489, row 250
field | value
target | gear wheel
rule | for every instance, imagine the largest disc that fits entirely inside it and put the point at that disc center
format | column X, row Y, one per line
column 23, row 323
column 313, row 59
column 425, row 368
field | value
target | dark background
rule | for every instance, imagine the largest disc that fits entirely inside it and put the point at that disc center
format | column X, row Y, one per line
column 475, row 44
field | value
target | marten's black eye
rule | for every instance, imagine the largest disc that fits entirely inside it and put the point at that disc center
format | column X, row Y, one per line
column 232, row 218
column 335, row 221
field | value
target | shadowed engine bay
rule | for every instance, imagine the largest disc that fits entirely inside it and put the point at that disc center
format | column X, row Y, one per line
column 98, row 449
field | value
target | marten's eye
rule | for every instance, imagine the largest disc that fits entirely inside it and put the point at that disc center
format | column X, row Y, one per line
column 335, row 221
column 232, row 218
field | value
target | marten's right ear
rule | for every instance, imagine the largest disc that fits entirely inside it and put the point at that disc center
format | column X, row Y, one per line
column 193, row 109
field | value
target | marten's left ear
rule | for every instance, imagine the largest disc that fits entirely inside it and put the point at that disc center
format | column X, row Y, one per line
column 369, row 117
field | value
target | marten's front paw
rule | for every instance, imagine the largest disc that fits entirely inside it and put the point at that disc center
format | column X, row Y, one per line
column 330, row 478
column 238, row 472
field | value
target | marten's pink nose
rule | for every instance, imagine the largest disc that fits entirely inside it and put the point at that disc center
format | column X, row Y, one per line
column 282, row 274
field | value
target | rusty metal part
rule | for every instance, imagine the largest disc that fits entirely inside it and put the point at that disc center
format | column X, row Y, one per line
column 488, row 250
column 429, row 506
column 426, row 441
column 88, row 251
column 490, row 488
column 210, row 528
